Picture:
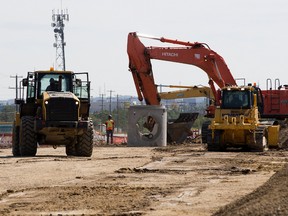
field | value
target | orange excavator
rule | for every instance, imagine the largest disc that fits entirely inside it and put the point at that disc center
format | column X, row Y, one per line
column 229, row 119
column 197, row 54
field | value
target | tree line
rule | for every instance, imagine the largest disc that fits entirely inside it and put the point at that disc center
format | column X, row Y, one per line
column 7, row 113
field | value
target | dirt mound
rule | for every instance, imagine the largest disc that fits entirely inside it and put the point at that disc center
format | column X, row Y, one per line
column 269, row 199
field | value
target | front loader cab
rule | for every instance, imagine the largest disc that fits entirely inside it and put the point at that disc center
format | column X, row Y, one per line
column 59, row 81
column 55, row 81
column 41, row 81
column 63, row 81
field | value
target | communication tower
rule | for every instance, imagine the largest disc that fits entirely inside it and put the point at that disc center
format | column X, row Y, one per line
column 58, row 19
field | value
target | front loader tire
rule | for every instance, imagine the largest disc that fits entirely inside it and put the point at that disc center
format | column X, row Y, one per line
column 70, row 149
column 84, row 146
column 28, row 140
column 15, row 141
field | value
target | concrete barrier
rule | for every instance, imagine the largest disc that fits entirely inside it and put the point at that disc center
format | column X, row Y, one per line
column 142, row 133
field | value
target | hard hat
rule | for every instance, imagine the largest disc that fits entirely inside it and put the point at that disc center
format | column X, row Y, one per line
column 109, row 116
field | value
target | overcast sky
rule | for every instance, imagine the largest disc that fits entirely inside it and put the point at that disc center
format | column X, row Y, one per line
column 251, row 35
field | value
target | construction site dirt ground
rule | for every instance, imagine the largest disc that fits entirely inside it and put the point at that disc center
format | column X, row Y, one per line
column 119, row 180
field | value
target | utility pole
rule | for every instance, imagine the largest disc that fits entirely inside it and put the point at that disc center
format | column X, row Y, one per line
column 102, row 102
column 58, row 25
column 117, row 113
column 102, row 109
column 110, row 101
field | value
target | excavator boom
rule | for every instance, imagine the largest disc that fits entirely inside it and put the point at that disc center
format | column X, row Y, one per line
column 141, row 69
column 197, row 54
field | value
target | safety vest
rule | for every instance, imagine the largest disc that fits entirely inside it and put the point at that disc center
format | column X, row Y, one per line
column 109, row 124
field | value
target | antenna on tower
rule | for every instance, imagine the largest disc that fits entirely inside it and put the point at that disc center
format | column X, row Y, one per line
column 58, row 25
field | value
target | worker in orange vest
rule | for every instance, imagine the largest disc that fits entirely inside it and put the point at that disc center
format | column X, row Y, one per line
column 109, row 128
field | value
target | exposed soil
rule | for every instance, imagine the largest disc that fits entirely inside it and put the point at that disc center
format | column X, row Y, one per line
column 119, row 180
column 269, row 199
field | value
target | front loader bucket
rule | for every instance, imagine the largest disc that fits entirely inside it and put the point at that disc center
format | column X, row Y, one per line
column 179, row 129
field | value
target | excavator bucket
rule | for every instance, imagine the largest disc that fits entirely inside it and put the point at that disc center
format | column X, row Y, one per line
column 180, row 128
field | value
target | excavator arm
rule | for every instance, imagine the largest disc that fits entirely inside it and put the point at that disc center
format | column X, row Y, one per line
column 187, row 92
column 197, row 54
